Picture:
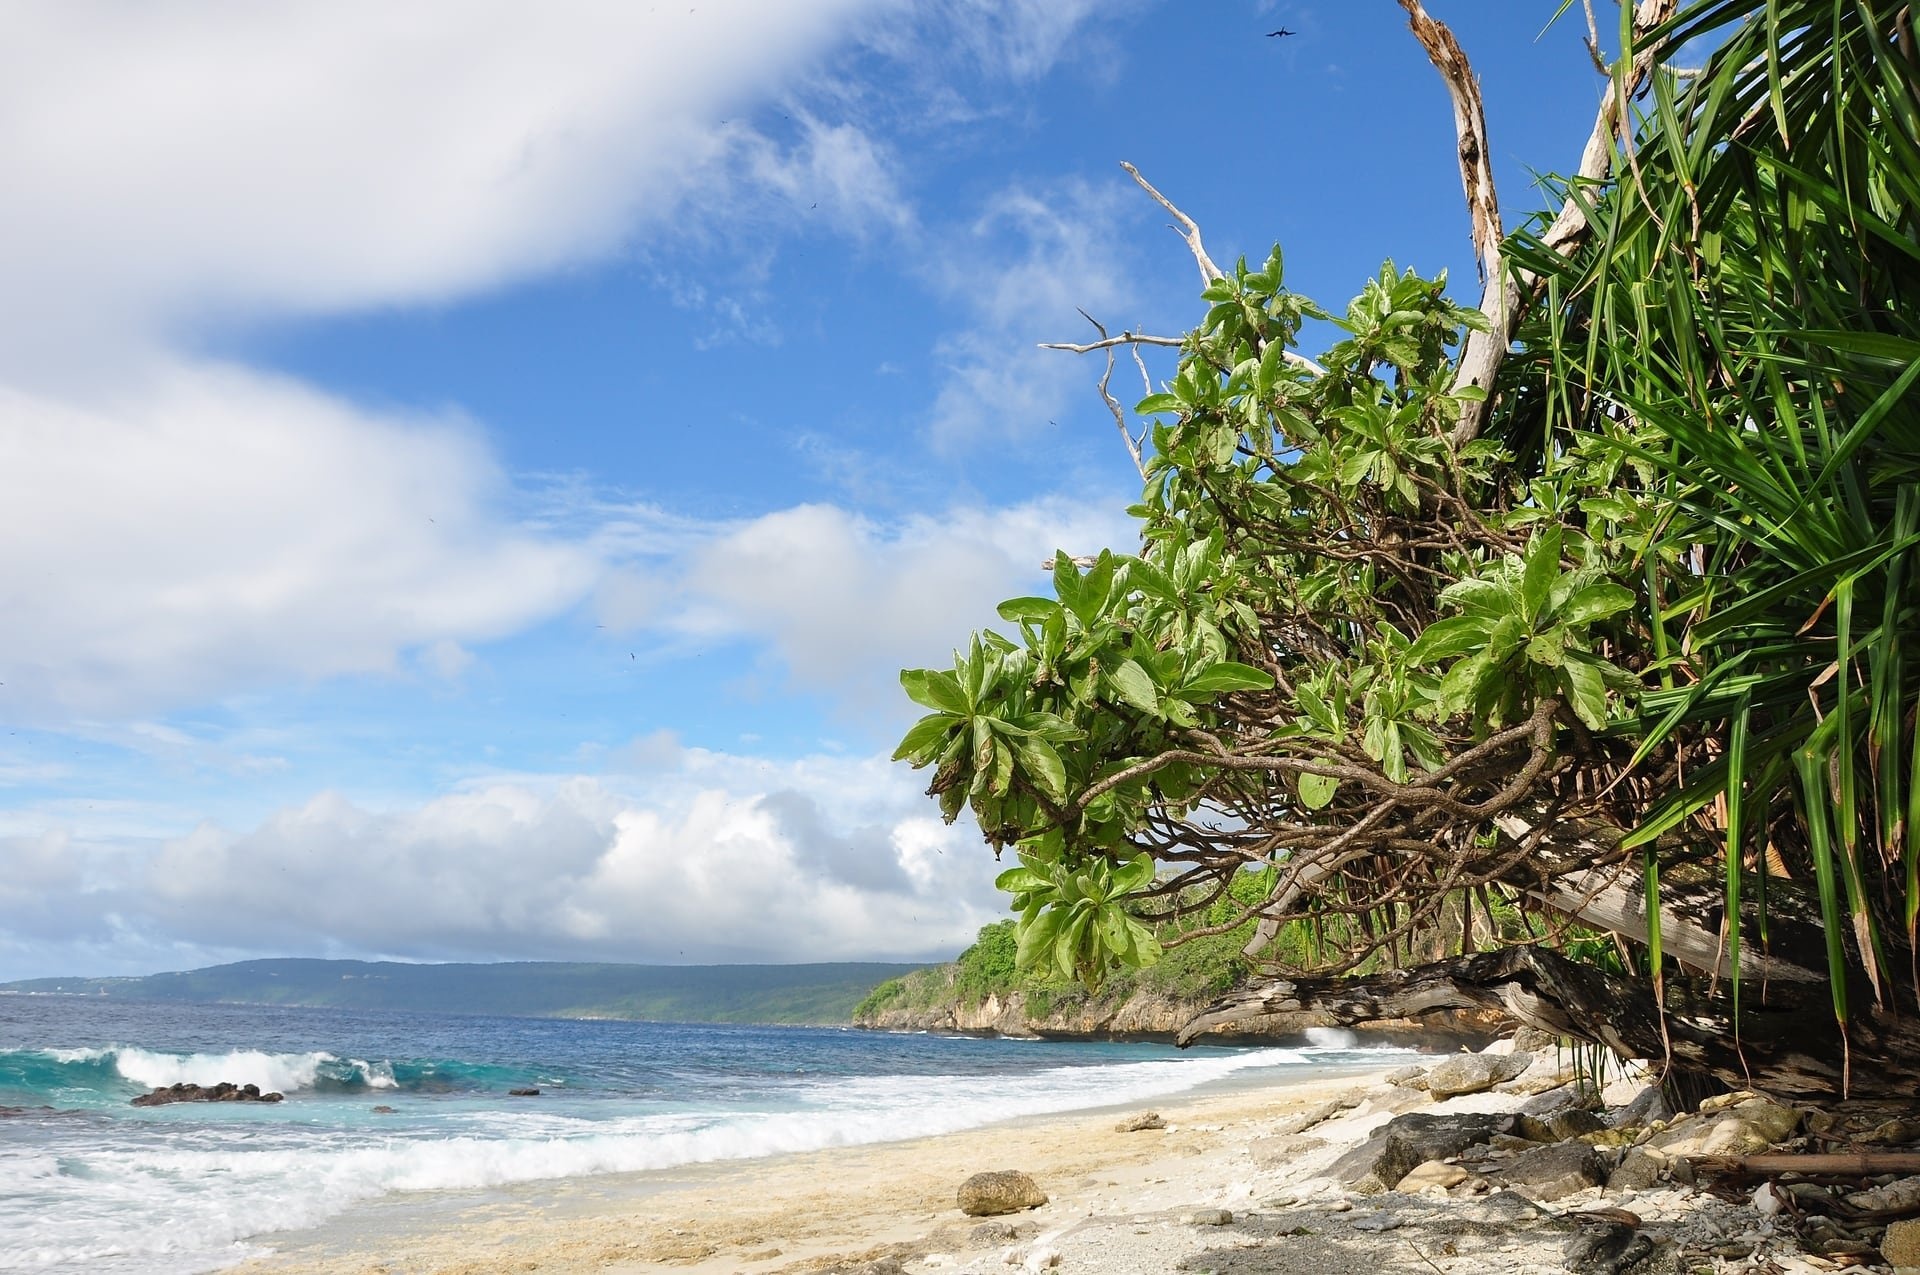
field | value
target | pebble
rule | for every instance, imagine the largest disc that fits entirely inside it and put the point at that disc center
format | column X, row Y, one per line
column 1208, row 1217
column 1377, row 1222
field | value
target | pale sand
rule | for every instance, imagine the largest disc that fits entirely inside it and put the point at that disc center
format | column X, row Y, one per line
column 817, row 1210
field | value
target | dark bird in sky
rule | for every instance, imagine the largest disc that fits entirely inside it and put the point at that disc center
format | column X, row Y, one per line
column 1281, row 31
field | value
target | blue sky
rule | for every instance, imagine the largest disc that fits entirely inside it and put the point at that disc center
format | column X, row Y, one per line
column 470, row 472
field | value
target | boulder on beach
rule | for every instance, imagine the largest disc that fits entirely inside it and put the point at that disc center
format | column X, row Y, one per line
column 999, row 1191
column 1140, row 1122
column 1472, row 1073
column 1405, row 1142
column 225, row 1091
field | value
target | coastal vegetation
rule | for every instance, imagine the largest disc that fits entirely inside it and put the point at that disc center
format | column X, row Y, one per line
column 1594, row 601
column 820, row 994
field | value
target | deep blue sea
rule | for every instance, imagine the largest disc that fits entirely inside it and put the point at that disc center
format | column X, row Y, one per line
column 90, row 1183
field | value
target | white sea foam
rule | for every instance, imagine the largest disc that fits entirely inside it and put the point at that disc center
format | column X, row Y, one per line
column 284, row 1073
column 166, row 1207
column 1331, row 1038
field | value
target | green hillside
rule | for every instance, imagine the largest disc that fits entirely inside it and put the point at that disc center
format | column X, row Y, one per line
column 795, row 994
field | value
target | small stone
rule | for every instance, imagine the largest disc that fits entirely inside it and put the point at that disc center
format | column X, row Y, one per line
column 1140, row 1123
column 1892, row 1133
column 1639, row 1171
column 1208, row 1217
column 999, row 1191
column 1432, row 1173
column 1378, row 1222
column 1408, row 1077
column 1901, row 1244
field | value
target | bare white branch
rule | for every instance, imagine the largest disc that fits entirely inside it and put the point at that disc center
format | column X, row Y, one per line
column 1188, row 231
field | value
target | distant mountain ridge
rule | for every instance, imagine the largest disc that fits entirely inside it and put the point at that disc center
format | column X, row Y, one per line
column 822, row 994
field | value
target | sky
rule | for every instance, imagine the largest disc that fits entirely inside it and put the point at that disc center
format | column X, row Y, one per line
column 471, row 471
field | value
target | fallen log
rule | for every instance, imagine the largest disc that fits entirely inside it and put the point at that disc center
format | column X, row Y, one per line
column 1857, row 1164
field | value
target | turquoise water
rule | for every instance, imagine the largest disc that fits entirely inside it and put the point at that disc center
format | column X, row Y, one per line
column 90, row 1183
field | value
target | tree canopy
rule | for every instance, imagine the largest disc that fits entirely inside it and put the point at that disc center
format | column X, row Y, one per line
column 1600, row 597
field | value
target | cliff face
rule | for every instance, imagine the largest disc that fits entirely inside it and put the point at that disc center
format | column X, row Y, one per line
column 1145, row 1016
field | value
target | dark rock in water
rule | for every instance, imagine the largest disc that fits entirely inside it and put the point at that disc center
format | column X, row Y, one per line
column 225, row 1091
column 523, row 1093
column 383, row 1110
column 1405, row 1142
column 1000, row 1191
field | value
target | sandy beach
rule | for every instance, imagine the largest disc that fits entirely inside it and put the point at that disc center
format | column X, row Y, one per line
column 1241, row 1180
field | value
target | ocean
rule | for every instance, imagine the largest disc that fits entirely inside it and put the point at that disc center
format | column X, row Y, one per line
column 90, row 1183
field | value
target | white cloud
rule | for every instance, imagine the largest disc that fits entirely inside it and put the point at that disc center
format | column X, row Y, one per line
column 1030, row 262
column 168, row 162
column 845, row 601
column 202, row 529
column 713, row 857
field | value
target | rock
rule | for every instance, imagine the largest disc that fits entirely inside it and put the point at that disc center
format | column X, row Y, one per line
column 1140, row 1122
column 1408, row 1077
column 523, row 1093
column 1558, row 1126
column 1405, row 1142
column 1647, row 1106
column 1532, row 1040
column 1208, row 1217
column 992, row 1235
column 1602, row 1248
column 1639, row 1170
column 225, row 1091
column 1892, row 1133
column 1548, row 1173
column 1301, row 1121
column 1559, row 1098
column 383, row 1110
column 1743, row 1128
column 999, row 1191
column 1282, row 1152
column 1899, row 1194
column 1378, row 1222
column 1432, row 1173
column 1901, row 1245
column 1472, row 1073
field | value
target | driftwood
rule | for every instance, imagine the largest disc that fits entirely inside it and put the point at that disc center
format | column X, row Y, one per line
column 1856, row 1164
column 1788, row 1044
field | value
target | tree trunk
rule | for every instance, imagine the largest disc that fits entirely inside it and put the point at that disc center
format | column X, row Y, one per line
column 1788, row 1045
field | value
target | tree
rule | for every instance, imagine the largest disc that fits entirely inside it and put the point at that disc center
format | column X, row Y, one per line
column 1594, row 599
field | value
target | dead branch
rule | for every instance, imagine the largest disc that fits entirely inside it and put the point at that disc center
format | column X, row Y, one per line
column 1188, row 231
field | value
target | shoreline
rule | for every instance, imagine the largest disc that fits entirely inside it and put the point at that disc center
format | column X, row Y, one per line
column 800, row 1211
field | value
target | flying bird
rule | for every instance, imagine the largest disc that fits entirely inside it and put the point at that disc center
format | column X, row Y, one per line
column 1281, row 31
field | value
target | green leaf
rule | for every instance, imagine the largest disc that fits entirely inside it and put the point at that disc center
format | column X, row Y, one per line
column 1130, row 682
column 931, row 688
column 1316, row 791
column 1586, row 690
column 1596, row 602
column 1042, row 765
column 1035, row 610
column 925, row 739
column 1229, row 675
column 1543, row 568
column 1445, row 639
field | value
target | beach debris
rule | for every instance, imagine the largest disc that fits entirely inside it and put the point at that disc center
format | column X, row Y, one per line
column 1208, row 1217
column 1141, row 1122
column 999, row 1191
column 1472, row 1073
column 1405, row 1142
column 1548, row 1173
column 528, row 1092
column 225, row 1091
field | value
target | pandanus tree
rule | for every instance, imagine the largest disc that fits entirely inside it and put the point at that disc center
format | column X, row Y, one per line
column 1601, row 599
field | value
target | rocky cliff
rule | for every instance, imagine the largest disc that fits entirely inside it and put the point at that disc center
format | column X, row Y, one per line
column 1143, row 1016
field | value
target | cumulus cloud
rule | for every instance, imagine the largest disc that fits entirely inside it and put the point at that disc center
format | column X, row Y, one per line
column 169, row 162
column 204, row 529
column 843, row 600
column 714, row 858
